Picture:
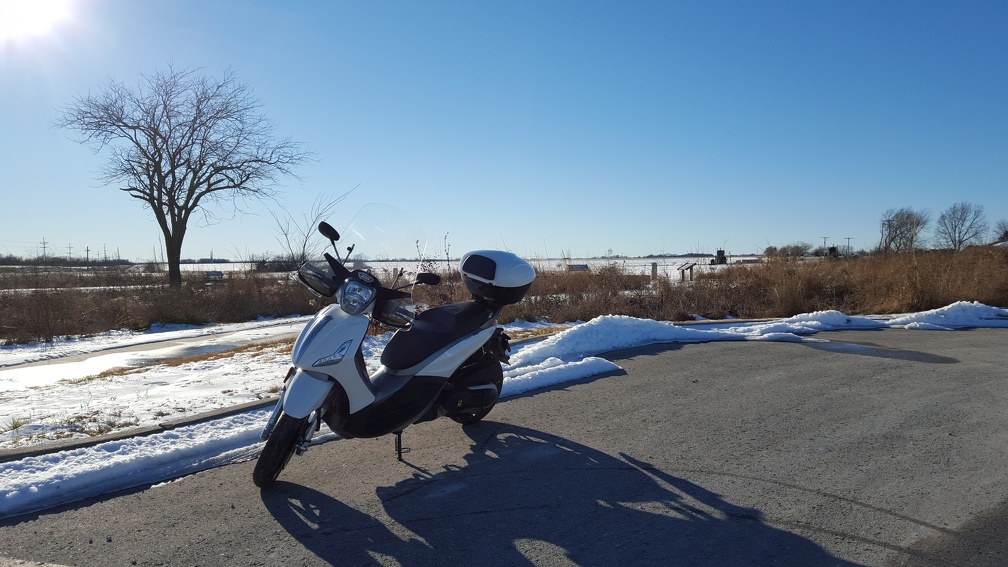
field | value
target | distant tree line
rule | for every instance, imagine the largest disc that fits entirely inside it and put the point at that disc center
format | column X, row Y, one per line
column 70, row 262
column 795, row 250
column 906, row 229
column 60, row 261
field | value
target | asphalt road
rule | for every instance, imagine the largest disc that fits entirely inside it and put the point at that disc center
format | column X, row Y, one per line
column 874, row 448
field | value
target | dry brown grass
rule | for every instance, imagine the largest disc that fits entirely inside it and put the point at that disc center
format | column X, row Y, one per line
column 776, row 288
column 56, row 309
column 266, row 348
column 870, row 285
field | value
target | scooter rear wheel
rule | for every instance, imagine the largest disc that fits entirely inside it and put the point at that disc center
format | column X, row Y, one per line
column 278, row 450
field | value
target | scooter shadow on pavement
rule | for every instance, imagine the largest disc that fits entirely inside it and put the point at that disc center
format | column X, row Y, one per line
column 526, row 497
column 334, row 532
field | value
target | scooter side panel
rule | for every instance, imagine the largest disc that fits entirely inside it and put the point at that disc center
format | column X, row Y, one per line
column 453, row 357
column 397, row 411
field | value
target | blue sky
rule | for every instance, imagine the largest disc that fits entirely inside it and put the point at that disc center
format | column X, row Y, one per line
column 542, row 127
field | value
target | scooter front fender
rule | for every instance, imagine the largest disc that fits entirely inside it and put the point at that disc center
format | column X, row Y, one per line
column 305, row 393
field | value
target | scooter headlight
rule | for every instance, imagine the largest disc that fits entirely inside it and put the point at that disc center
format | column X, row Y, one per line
column 354, row 296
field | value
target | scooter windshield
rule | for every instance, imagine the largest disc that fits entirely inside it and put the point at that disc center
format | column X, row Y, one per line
column 390, row 244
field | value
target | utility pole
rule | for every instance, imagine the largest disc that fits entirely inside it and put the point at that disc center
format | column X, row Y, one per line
column 44, row 244
column 848, row 245
column 824, row 242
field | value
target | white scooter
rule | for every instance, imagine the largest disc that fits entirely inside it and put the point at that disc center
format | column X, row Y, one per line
column 443, row 361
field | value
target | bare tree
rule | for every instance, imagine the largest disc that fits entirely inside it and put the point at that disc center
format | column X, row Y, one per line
column 960, row 225
column 181, row 141
column 1001, row 230
column 901, row 229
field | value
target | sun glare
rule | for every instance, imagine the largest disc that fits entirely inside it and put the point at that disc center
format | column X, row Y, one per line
column 24, row 19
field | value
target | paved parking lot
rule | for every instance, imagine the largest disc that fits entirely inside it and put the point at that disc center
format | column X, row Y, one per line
column 864, row 448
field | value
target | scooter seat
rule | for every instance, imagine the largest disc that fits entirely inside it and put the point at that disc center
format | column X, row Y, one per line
column 433, row 330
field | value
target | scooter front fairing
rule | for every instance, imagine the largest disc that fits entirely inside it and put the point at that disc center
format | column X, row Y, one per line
column 325, row 351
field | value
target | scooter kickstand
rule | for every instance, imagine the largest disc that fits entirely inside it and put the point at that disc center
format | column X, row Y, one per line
column 398, row 446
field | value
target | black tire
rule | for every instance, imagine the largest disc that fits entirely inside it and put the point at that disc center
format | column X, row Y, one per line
column 472, row 417
column 278, row 450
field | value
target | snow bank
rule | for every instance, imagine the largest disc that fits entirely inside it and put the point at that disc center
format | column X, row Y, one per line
column 35, row 483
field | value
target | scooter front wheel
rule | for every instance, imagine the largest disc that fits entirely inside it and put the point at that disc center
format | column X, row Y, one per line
column 278, row 450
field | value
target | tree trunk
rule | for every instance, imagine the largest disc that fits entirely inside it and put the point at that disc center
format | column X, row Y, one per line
column 174, row 251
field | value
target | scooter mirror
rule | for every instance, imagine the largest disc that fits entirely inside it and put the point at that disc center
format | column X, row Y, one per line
column 328, row 231
column 428, row 278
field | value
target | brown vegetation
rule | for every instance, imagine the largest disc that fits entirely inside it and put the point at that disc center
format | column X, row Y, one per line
column 61, row 305
column 42, row 307
column 876, row 284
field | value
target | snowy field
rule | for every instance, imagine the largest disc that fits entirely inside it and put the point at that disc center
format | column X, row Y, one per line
column 666, row 266
column 38, row 402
